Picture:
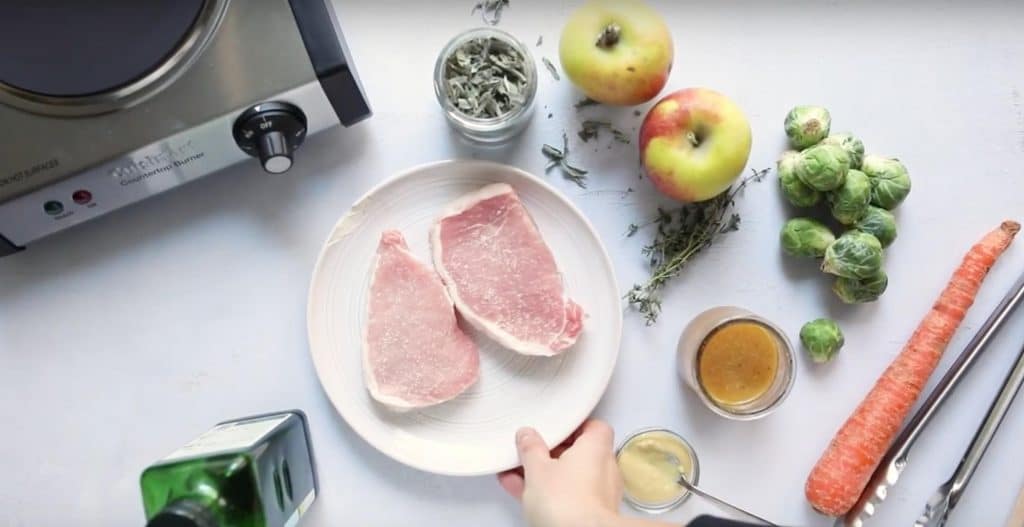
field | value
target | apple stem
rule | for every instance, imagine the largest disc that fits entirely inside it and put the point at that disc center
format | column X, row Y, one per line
column 693, row 139
column 609, row 36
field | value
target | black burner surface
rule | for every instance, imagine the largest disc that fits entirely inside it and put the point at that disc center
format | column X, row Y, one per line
column 68, row 48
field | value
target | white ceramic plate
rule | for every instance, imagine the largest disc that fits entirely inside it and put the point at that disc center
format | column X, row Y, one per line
column 474, row 433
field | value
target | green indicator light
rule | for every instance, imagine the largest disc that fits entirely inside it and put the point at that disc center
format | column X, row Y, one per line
column 53, row 207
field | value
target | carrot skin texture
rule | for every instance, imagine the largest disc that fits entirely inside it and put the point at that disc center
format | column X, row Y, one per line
column 837, row 480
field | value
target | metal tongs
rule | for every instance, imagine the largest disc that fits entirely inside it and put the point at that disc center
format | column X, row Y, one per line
column 895, row 459
column 948, row 494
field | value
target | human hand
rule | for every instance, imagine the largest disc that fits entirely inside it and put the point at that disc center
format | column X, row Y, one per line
column 577, row 484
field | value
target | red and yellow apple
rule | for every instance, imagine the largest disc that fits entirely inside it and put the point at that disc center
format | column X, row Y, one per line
column 694, row 143
column 616, row 51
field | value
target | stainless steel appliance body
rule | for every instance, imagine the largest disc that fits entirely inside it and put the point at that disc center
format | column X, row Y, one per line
column 103, row 104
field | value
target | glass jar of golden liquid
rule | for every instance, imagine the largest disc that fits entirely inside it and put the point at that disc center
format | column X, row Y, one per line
column 740, row 364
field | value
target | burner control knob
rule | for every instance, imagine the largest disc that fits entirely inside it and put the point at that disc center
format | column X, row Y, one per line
column 271, row 131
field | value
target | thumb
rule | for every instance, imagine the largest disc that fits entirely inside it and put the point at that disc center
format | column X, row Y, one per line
column 533, row 452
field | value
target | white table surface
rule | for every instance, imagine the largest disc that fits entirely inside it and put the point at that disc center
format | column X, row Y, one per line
column 126, row 337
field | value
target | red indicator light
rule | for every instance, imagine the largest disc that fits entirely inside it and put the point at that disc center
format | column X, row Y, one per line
column 82, row 197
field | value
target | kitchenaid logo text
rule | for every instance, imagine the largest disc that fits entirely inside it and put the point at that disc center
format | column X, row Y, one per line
column 27, row 173
column 169, row 160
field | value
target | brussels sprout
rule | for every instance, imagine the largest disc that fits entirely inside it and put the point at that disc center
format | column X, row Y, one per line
column 798, row 193
column 851, row 144
column 807, row 125
column 879, row 223
column 855, row 254
column 823, row 167
column 854, row 291
column 890, row 182
column 849, row 202
column 822, row 338
column 805, row 237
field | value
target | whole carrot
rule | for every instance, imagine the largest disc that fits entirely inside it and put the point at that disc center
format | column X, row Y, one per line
column 839, row 477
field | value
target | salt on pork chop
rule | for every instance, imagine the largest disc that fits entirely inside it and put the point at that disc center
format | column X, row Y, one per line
column 414, row 353
column 501, row 274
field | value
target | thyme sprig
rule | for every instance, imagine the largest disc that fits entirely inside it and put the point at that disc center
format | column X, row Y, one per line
column 682, row 234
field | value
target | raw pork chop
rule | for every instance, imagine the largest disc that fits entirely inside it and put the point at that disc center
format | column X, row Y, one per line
column 501, row 275
column 414, row 353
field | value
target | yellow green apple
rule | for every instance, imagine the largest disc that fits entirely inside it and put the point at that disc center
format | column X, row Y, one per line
column 616, row 51
column 694, row 143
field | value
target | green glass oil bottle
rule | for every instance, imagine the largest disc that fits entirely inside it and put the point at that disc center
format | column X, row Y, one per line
column 251, row 472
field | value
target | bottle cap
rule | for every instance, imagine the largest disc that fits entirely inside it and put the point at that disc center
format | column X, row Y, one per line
column 184, row 513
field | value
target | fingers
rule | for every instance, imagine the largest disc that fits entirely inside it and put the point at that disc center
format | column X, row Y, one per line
column 565, row 445
column 595, row 436
column 533, row 452
column 575, row 434
column 559, row 450
column 513, row 483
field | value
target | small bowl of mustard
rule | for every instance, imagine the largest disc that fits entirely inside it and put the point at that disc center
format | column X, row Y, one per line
column 741, row 365
column 651, row 461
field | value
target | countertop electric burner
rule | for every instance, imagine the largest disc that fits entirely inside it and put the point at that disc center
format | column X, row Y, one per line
column 105, row 103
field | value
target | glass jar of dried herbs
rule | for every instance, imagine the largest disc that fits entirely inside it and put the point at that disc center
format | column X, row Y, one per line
column 486, row 82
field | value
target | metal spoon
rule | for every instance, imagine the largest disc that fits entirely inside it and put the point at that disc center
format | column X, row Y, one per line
column 948, row 494
column 694, row 489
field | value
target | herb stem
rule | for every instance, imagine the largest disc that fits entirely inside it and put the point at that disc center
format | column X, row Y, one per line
column 681, row 235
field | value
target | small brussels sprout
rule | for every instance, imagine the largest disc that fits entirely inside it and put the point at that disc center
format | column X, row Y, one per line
column 854, row 291
column 807, row 125
column 855, row 254
column 822, row 338
column 805, row 237
column 796, row 191
column 879, row 223
column 851, row 144
column 849, row 202
column 823, row 167
column 890, row 182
